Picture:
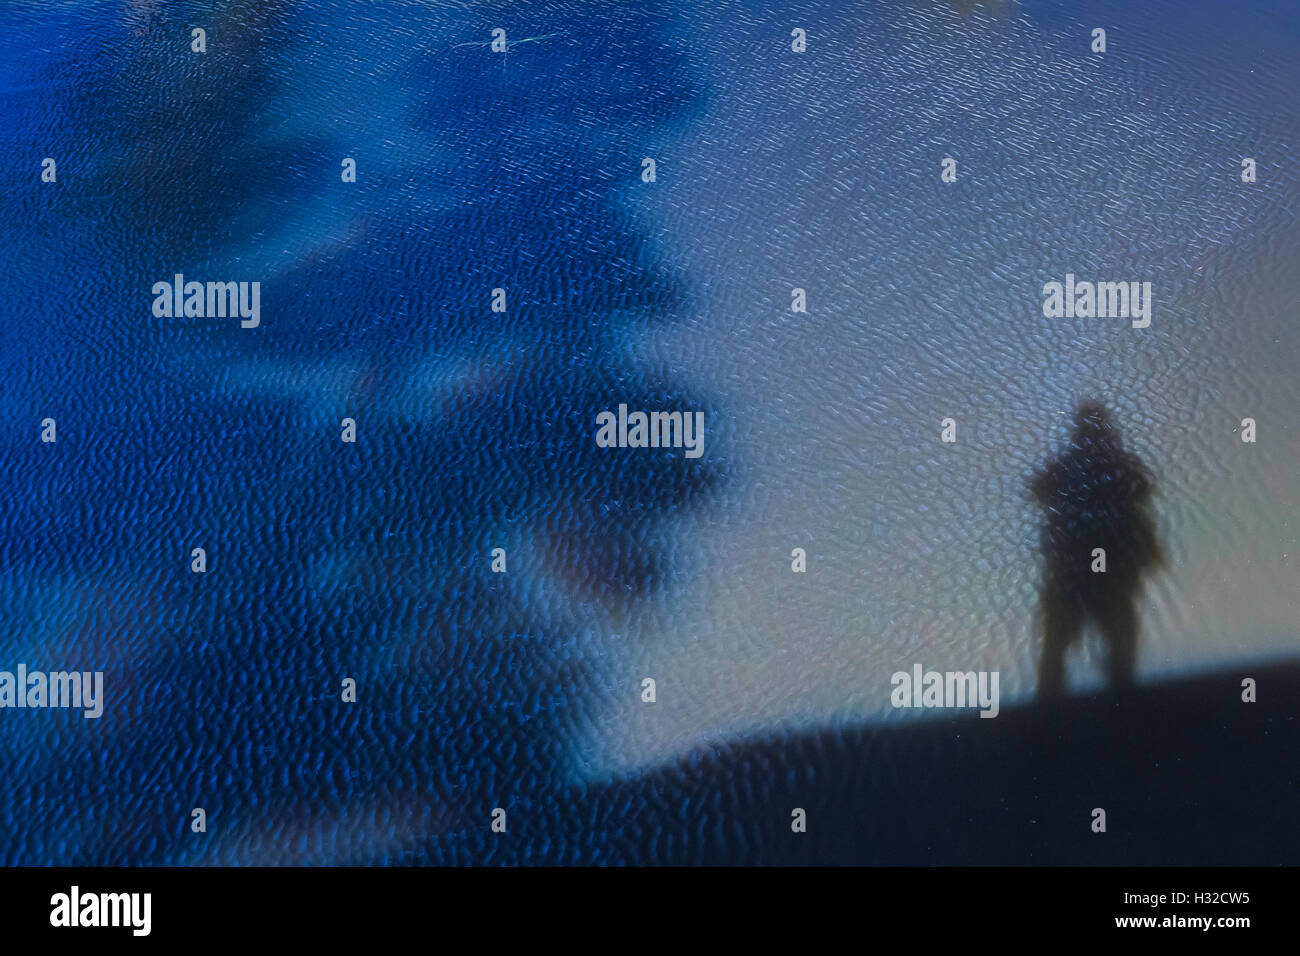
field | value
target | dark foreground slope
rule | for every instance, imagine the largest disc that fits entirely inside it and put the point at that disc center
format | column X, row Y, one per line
column 1186, row 772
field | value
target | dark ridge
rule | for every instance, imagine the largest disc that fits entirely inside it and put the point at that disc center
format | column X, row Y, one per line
column 1187, row 773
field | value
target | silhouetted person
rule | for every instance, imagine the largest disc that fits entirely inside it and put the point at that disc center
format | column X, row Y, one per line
column 1096, row 495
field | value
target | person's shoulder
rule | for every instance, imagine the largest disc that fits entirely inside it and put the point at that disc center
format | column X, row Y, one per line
column 1043, row 482
column 1137, row 471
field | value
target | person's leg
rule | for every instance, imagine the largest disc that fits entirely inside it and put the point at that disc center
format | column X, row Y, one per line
column 1062, row 623
column 1118, row 623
